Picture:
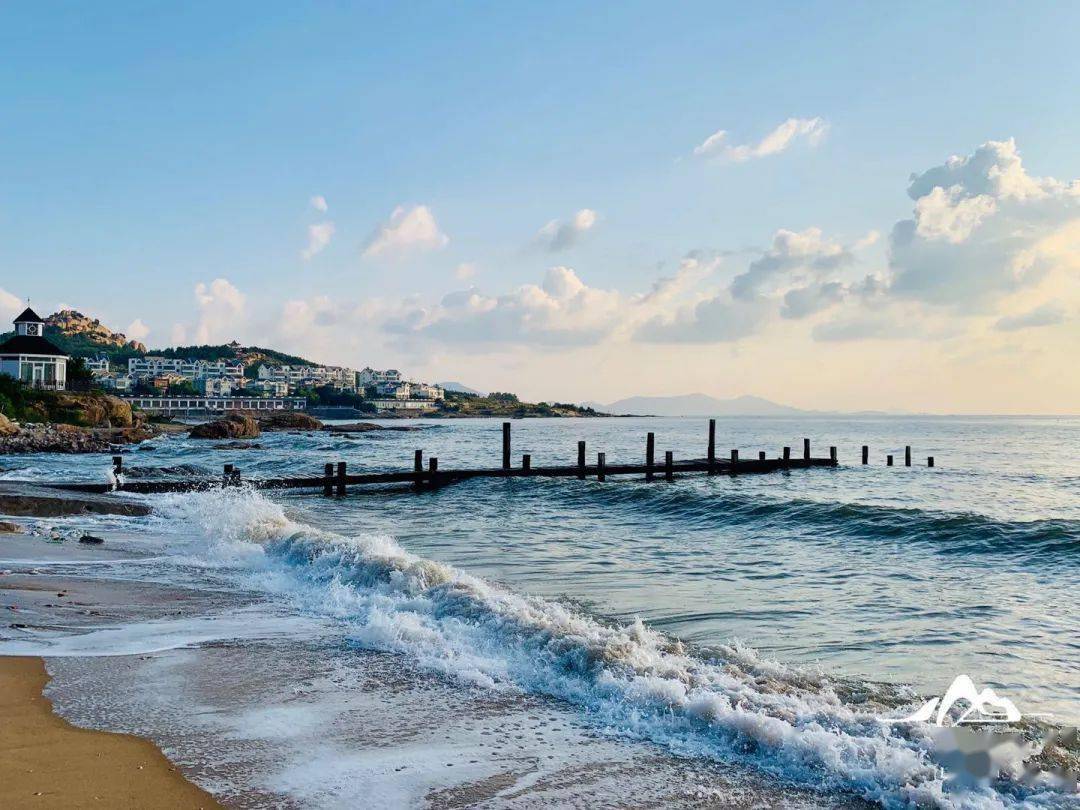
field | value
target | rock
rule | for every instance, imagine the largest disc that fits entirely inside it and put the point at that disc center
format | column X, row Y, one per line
column 91, row 540
column 7, row 427
column 289, row 420
column 63, row 438
column 30, row 500
column 233, row 426
column 92, row 409
column 364, row 427
column 7, row 527
column 237, row 446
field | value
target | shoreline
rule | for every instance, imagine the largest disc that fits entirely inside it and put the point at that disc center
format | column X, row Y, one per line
column 47, row 762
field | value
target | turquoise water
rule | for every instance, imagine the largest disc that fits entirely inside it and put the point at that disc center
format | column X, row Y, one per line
column 869, row 577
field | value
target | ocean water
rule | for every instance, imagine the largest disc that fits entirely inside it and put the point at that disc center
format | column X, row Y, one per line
column 770, row 620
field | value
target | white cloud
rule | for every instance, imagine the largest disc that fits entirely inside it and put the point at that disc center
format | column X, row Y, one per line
column 319, row 236
column 318, row 202
column 556, row 235
column 137, row 330
column 982, row 229
column 221, row 311
column 409, row 229
column 1044, row 315
column 179, row 334
column 464, row 271
column 801, row 253
column 813, row 130
column 10, row 304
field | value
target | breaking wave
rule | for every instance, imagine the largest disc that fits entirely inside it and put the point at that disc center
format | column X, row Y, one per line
column 728, row 705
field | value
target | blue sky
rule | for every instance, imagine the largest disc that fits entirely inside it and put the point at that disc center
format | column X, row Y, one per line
column 148, row 149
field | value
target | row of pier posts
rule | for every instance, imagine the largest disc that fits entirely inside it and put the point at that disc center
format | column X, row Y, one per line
column 889, row 458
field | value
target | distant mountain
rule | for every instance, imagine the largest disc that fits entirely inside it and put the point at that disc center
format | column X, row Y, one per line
column 700, row 405
column 458, row 387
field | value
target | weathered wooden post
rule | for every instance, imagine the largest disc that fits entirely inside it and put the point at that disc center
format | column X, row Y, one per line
column 117, row 465
column 669, row 464
column 341, row 478
column 581, row 460
column 226, row 474
column 526, row 462
column 806, row 449
column 888, row 460
column 907, row 455
column 712, row 446
column 599, row 466
column 506, row 446
column 929, row 461
column 734, row 459
column 418, row 467
column 787, row 456
column 236, row 476
column 832, row 454
column 761, row 455
column 650, row 448
column 865, row 454
column 328, row 480
column 433, row 470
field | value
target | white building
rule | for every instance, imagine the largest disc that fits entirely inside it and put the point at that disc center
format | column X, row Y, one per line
column 342, row 379
column 370, row 376
column 29, row 357
column 117, row 382
column 142, row 368
column 216, row 386
column 98, row 366
column 268, row 388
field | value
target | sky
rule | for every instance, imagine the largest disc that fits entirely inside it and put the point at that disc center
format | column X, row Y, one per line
column 834, row 206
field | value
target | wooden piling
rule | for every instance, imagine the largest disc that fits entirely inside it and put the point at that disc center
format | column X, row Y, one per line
column 806, row 449
column 669, row 464
column 888, row 460
column 866, row 454
column 650, row 448
column 581, row 460
column 340, row 478
column 599, row 466
column 929, row 461
column 712, row 446
column 328, row 480
column 907, row 455
column 433, row 470
column 506, row 446
column 832, row 454
column 418, row 467
column 526, row 462
column 761, row 455
column 734, row 459
column 235, row 476
column 787, row 455
column 226, row 474
column 117, row 465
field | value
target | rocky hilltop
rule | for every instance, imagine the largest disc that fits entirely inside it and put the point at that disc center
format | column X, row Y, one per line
column 74, row 327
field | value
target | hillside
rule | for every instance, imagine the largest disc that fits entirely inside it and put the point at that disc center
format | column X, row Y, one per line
column 458, row 403
column 251, row 356
column 81, row 336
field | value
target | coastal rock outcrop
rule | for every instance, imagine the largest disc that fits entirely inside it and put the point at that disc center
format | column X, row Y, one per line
column 92, row 409
column 289, row 420
column 365, row 427
column 232, row 426
column 30, row 500
column 59, row 438
column 7, row 427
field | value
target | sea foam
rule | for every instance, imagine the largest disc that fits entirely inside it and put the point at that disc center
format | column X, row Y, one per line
column 727, row 705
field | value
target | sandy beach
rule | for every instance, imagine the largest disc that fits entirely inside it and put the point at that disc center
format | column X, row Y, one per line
column 47, row 762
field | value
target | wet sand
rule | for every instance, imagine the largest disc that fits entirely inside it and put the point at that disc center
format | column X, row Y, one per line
column 47, row 762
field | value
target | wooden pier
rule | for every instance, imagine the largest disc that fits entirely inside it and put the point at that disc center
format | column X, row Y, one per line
column 335, row 478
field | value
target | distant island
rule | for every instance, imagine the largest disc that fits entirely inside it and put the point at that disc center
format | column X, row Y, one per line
column 705, row 405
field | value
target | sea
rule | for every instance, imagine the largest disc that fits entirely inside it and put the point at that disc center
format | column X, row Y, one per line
column 755, row 633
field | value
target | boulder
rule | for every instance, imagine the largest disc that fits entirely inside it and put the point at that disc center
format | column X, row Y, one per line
column 7, row 527
column 289, row 420
column 7, row 427
column 91, row 540
column 232, row 426
column 364, row 427
column 92, row 409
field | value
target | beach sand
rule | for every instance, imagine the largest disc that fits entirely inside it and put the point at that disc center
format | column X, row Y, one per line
column 47, row 762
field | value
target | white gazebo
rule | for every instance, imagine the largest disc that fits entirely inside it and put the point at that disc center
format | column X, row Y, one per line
column 29, row 357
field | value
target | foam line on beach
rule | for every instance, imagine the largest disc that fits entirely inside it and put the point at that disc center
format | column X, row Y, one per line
column 732, row 706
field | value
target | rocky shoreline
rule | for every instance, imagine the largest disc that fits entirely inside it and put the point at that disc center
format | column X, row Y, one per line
column 55, row 438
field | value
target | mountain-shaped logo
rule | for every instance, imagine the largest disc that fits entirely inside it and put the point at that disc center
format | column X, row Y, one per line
column 983, row 706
